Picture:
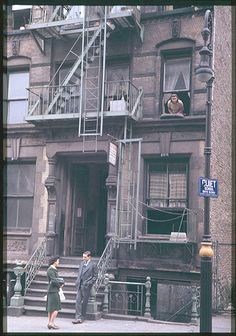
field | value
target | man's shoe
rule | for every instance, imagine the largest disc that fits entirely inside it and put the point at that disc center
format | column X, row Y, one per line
column 76, row 321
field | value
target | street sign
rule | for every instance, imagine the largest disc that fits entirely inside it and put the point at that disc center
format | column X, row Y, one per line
column 208, row 187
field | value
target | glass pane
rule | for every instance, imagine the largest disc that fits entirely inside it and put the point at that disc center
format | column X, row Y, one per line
column 26, row 179
column 11, row 212
column 17, row 110
column 158, row 189
column 117, row 72
column 25, row 212
column 178, row 192
column 18, row 82
column 177, row 75
column 11, row 179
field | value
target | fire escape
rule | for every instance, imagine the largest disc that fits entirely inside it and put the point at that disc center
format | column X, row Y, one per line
column 83, row 95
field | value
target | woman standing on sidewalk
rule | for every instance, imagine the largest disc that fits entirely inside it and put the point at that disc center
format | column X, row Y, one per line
column 53, row 304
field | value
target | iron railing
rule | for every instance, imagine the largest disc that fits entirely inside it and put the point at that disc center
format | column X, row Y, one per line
column 188, row 305
column 44, row 13
column 41, row 97
column 120, row 96
column 34, row 263
column 127, row 298
column 105, row 262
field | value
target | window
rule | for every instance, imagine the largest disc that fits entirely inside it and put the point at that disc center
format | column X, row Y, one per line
column 166, row 197
column 117, row 82
column 176, row 78
column 21, row 16
column 17, row 96
column 18, row 195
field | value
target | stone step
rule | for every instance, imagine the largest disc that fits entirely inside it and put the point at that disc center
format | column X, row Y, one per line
column 68, row 277
column 64, row 313
column 69, row 294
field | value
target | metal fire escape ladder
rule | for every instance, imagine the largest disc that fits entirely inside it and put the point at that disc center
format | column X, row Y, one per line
column 127, row 198
column 74, row 69
column 92, row 85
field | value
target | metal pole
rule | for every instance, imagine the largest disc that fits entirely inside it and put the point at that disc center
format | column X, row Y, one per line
column 206, row 251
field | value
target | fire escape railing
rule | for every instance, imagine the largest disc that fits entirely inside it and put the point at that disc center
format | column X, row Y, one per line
column 34, row 263
column 105, row 262
column 119, row 96
column 40, row 98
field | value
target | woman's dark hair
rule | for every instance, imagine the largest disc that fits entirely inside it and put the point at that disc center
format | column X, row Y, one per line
column 53, row 259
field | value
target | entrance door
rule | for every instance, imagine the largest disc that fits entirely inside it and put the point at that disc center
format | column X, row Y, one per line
column 79, row 200
column 88, row 208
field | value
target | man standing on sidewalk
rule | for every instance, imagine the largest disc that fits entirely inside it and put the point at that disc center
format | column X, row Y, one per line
column 87, row 276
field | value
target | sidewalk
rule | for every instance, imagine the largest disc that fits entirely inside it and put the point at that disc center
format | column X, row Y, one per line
column 35, row 324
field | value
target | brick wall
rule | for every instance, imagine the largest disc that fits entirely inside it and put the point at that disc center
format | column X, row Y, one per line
column 221, row 166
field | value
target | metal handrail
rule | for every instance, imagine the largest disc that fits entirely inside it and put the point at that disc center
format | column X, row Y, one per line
column 104, row 262
column 185, row 306
column 34, row 263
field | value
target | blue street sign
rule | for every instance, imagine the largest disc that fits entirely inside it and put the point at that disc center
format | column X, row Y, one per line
column 208, row 187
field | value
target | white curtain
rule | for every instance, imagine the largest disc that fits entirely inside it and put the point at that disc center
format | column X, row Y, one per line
column 178, row 190
column 158, row 190
column 174, row 69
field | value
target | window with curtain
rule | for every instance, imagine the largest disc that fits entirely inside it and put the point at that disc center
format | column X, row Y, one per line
column 177, row 78
column 117, row 82
column 166, row 197
column 17, row 96
column 18, row 194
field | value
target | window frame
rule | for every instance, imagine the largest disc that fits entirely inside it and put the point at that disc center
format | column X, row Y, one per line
column 169, row 55
column 16, row 98
column 21, row 15
column 116, row 89
column 18, row 195
column 151, row 209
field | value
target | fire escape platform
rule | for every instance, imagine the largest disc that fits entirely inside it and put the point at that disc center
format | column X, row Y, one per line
column 125, row 19
column 35, row 119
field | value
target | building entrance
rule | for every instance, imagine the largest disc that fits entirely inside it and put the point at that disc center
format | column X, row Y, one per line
column 87, row 209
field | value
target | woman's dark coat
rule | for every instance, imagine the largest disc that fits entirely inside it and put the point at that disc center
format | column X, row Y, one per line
column 53, row 298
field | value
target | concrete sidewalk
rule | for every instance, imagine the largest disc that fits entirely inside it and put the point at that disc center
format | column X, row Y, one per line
column 36, row 324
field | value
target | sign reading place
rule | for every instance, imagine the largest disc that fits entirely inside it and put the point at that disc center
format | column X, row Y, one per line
column 208, row 187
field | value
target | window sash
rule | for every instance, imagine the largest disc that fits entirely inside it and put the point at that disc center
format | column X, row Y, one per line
column 17, row 111
column 176, row 75
column 17, row 97
column 17, row 84
column 18, row 212
column 168, row 188
column 18, row 190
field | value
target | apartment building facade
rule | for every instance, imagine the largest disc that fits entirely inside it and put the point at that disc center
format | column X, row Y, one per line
column 92, row 152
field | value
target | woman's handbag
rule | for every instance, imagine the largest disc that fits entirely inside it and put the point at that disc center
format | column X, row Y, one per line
column 61, row 281
column 61, row 294
column 57, row 281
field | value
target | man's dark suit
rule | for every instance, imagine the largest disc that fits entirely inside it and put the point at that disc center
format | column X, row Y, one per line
column 87, row 276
